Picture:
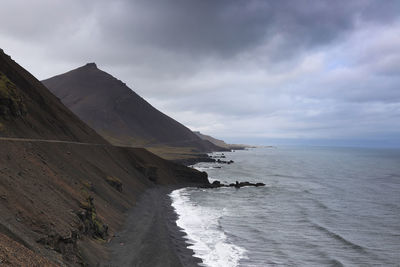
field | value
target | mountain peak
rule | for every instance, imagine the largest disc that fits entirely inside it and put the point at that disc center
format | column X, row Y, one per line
column 91, row 65
column 112, row 108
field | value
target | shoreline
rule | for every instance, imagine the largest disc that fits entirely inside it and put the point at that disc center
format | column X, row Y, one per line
column 150, row 236
column 194, row 160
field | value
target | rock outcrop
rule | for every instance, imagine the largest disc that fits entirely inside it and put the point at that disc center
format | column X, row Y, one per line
column 92, row 224
column 218, row 184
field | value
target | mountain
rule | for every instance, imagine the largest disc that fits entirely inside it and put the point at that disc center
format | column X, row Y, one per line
column 64, row 190
column 119, row 114
column 213, row 140
column 29, row 110
column 220, row 143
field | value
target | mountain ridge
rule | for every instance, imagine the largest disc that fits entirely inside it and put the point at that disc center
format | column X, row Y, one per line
column 125, row 118
column 221, row 143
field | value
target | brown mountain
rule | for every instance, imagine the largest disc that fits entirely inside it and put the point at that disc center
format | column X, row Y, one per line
column 118, row 113
column 64, row 190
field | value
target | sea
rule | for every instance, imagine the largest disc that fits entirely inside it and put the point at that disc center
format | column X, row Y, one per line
column 321, row 206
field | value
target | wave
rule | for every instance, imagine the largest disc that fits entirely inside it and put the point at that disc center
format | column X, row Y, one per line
column 335, row 262
column 204, row 233
column 320, row 204
column 204, row 168
column 340, row 238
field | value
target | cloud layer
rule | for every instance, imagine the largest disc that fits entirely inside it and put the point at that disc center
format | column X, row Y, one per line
column 240, row 70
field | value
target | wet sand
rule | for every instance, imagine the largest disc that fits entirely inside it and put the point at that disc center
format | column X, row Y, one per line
column 151, row 236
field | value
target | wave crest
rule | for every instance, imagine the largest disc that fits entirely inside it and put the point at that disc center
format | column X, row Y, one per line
column 203, row 232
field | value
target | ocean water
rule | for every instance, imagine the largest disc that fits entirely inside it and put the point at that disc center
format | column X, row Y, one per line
column 320, row 207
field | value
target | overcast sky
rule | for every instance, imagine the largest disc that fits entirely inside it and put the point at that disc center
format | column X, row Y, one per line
column 324, row 72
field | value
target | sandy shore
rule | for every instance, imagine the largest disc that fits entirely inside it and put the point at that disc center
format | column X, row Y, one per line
column 151, row 236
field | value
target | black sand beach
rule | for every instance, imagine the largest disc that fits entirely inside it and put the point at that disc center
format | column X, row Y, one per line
column 151, row 236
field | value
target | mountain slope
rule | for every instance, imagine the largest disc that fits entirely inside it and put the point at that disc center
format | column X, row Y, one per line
column 61, row 201
column 220, row 143
column 29, row 110
column 118, row 113
column 213, row 140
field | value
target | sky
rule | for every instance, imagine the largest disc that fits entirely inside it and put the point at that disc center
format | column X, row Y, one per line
column 247, row 71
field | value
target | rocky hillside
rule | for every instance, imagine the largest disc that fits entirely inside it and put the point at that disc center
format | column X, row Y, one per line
column 118, row 113
column 64, row 190
column 29, row 110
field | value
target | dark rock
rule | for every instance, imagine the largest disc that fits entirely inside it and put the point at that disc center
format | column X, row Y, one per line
column 241, row 184
column 66, row 245
column 217, row 184
column 91, row 65
column 224, row 161
column 92, row 225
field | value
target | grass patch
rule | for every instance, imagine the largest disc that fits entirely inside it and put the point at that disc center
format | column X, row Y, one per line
column 11, row 101
column 87, row 185
column 114, row 182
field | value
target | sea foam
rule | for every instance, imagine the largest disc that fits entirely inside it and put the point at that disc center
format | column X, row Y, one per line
column 203, row 232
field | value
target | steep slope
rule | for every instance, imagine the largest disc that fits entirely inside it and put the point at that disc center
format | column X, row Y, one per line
column 213, row 140
column 118, row 113
column 220, row 143
column 29, row 110
column 61, row 201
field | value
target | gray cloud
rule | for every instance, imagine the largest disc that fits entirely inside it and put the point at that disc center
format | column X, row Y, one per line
column 236, row 69
column 229, row 27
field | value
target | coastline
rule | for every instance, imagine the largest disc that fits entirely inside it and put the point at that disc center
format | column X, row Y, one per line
column 193, row 160
column 150, row 236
